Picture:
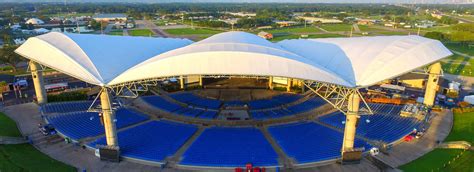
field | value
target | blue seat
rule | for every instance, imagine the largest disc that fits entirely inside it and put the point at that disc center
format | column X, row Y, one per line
column 78, row 125
column 384, row 125
column 161, row 103
column 310, row 142
column 191, row 99
column 64, row 107
column 230, row 147
column 273, row 102
column 152, row 141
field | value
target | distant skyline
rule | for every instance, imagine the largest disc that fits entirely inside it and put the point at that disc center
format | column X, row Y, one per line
column 262, row 1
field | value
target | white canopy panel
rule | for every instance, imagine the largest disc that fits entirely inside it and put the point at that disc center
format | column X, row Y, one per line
column 96, row 59
column 350, row 62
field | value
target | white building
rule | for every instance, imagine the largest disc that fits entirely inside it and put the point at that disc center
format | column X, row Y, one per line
column 34, row 21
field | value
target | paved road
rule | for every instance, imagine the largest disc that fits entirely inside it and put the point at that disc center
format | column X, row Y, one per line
column 155, row 29
column 459, row 18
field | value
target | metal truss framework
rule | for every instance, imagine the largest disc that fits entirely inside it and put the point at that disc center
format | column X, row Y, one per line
column 338, row 96
column 335, row 95
column 426, row 71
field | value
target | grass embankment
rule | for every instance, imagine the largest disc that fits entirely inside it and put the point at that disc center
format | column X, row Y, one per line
column 8, row 127
column 140, row 32
column 24, row 157
column 463, row 130
column 458, row 65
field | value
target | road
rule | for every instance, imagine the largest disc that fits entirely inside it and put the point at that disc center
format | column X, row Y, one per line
column 155, row 29
column 459, row 18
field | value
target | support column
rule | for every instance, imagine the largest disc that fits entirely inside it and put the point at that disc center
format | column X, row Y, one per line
column 200, row 80
column 38, row 83
column 432, row 84
column 288, row 84
column 351, row 122
column 108, row 116
column 302, row 86
column 270, row 82
column 181, row 82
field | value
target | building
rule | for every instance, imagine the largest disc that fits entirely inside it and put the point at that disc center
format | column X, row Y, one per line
column 365, row 22
column 110, row 17
column 322, row 20
column 265, row 35
column 34, row 21
column 286, row 23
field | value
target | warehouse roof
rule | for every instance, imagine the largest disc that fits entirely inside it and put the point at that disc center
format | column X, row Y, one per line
column 351, row 62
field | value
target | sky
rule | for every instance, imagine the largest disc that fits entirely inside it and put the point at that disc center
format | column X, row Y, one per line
column 263, row 1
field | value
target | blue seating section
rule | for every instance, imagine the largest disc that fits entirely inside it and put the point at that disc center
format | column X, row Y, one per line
column 210, row 114
column 78, row 125
column 234, row 104
column 152, row 141
column 230, row 147
column 161, row 103
column 386, row 124
column 191, row 99
column 64, row 107
column 307, row 105
column 274, row 101
column 268, row 114
column 310, row 142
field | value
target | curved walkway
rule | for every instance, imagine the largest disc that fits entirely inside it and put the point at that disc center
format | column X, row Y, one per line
column 405, row 152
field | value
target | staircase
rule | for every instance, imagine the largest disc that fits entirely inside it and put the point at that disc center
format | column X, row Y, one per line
column 172, row 161
column 286, row 161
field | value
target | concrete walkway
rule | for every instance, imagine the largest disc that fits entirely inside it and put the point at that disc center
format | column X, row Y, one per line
column 406, row 152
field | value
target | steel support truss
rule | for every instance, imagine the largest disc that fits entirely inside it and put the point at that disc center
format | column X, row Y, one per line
column 338, row 96
column 426, row 71
column 335, row 95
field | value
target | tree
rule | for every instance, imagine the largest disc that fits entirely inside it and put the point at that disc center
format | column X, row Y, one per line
column 8, row 56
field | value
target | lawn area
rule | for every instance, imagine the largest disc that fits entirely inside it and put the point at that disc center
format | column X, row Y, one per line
column 337, row 27
column 8, row 127
column 116, row 32
column 461, row 48
column 436, row 158
column 463, row 128
column 24, row 157
column 458, row 65
column 190, row 31
column 308, row 29
column 140, row 32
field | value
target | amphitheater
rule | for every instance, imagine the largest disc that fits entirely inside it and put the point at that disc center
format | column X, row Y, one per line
column 237, row 99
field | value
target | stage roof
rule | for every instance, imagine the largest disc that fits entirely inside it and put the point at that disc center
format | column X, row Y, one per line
column 351, row 62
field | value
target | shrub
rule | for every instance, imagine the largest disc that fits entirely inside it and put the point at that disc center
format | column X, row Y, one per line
column 67, row 96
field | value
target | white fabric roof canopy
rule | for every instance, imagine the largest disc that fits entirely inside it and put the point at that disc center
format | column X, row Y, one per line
column 351, row 62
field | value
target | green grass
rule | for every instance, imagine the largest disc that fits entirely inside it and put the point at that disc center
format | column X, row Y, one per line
column 437, row 158
column 308, row 29
column 140, row 32
column 463, row 128
column 190, row 31
column 116, row 32
column 463, row 48
column 458, row 65
column 337, row 27
column 24, row 157
column 8, row 127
